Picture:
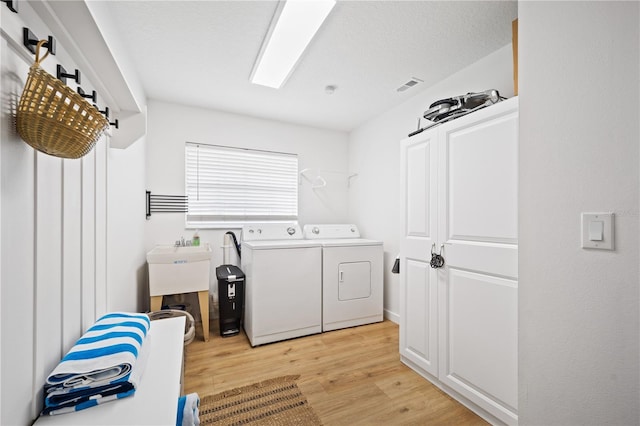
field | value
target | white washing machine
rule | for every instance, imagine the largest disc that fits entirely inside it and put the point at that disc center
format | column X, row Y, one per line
column 352, row 276
column 283, row 287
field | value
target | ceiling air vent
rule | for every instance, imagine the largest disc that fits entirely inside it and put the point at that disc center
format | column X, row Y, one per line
column 409, row 84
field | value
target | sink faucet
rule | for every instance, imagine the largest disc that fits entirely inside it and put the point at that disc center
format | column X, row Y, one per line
column 180, row 242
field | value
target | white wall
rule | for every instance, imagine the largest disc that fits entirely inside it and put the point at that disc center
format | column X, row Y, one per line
column 579, row 136
column 126, row 270
column 374, row 153
column 171, row 125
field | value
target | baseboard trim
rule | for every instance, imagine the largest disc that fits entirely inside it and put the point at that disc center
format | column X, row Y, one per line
column 392, row 316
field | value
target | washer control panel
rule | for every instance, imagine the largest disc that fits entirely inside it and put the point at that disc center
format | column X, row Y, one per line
column 329, row 231
column 271, row 231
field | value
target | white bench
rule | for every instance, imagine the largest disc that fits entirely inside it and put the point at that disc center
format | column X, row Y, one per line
column 155, row 402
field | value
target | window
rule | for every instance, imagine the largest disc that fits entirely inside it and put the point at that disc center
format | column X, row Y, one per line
column 233, row 186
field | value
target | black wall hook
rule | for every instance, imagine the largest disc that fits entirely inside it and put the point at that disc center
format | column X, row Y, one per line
column 105, row 112
column 62, row 75
column 115, row 124
column 12, row 5
column 30, row 41
column 93, row 96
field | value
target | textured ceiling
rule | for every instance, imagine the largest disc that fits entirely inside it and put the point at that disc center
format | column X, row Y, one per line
column 201, row 53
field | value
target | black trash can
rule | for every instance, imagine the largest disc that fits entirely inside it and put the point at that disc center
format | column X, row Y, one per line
column 230, row 299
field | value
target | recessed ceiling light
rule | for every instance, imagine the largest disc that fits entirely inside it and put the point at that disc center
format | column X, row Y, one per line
column 292, row 28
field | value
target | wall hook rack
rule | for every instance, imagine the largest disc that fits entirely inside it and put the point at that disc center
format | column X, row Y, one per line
column 12, row 5
column 62, row 75
column 93, row 96
column 30, row 41
column 165, row 203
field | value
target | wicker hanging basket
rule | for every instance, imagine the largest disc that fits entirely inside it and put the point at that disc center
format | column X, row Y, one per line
column 53, row 118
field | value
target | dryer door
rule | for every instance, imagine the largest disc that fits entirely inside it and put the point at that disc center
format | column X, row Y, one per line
column 354, row 280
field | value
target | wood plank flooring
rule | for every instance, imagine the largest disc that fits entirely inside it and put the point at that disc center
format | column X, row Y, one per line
column 350, row 377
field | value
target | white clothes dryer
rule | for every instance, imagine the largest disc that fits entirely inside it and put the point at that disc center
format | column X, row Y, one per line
column 352, row 276
column 283, row 287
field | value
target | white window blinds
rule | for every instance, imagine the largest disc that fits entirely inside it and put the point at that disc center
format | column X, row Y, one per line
column 239, row 185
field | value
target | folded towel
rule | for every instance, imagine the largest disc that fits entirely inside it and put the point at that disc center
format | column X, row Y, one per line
column 105, row 364
column 188, row 410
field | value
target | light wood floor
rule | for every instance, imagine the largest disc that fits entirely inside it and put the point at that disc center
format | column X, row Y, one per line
column 350, row 377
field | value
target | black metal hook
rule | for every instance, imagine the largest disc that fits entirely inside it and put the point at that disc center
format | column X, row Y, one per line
column 30, row 41
column 105, row 112
column 115, row 124
column 12, row 5
column 62, row 74
column 93, row 96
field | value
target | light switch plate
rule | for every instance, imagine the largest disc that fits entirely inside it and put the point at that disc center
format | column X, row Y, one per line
column 596, row 230
column 588, row 222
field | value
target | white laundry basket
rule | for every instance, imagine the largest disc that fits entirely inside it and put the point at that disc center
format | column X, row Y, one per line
column 189, row 325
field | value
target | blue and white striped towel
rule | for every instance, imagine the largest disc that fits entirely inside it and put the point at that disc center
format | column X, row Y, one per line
column 106, row 363
column 188, row 413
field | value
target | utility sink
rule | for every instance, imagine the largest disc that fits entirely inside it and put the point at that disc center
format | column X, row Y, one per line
column 171, row 254
column 176, row 270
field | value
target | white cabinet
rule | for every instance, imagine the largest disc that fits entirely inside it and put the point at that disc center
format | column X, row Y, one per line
column 459, row 196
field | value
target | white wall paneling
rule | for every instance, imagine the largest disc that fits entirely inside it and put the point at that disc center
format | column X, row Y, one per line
column 71, row 252
column 88, row 240
column 54, row 227
column 18, row 293
column 100, row 191
column 48, row 268
column 17, row 251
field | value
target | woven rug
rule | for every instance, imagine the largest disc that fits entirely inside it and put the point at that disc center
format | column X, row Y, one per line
column 271, row 402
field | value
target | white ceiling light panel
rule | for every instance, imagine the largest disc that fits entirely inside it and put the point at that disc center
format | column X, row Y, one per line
column 292, row 29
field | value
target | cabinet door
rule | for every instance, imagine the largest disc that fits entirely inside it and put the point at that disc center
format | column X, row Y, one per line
column 418, row 282
column 478, row 212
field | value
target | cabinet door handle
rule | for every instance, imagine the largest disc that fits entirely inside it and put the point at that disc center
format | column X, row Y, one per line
column 341, row 276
